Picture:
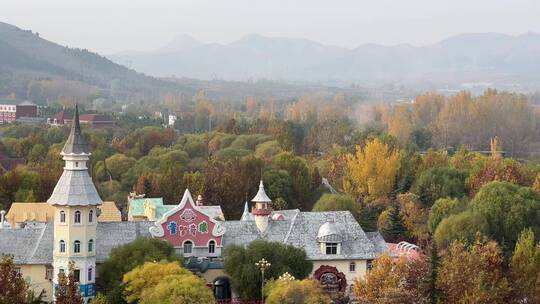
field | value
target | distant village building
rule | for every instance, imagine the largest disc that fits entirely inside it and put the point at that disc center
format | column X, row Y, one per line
column 13, row 109
column 94, row 120
column 70, row 230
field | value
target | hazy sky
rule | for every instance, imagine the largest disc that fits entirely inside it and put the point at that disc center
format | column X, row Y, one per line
column 109, row 26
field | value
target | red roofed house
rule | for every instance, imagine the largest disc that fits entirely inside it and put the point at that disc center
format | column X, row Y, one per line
column 95, row 120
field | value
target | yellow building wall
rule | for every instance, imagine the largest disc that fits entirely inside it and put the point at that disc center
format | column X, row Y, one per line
column 35, row 275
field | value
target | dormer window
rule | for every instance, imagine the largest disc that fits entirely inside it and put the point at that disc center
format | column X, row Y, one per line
column 332, row 248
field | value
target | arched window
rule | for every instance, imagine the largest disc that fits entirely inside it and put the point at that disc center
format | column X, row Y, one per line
column 89, row 274
column 62, row 246
column 77, row 217
column 77, row 246
column 90, row 245
column 188, row 247
column 211, row 247
column 62, row 216
column 91, row 216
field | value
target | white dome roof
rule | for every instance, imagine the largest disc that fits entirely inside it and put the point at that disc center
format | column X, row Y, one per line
column 330, row 232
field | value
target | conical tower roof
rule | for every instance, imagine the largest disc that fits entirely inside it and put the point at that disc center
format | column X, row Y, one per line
column 261, row 196
column 246, row 216
column 75, row 143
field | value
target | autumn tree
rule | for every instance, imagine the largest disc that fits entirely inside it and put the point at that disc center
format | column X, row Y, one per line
column 305, row 291
column 371, row 173
column 67, row 291
column 124, row 258
column 164, row 282
column 414, row 216
column 13, row 287
column 393, row 281
column 443, row 208
column 473, row 275
column 524, row 268
column 506, row 170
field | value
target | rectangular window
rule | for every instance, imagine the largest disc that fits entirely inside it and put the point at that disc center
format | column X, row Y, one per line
column 369, row 264
column 77, row 275
column 90, row 274
column 352, row 267
column 331, row 248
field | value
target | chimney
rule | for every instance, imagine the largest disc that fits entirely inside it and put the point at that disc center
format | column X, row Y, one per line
column 2, row 218
column 199, row 201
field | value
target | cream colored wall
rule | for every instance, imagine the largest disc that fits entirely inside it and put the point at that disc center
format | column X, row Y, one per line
column 343, row 266
column 70, row 232
column 35, row 276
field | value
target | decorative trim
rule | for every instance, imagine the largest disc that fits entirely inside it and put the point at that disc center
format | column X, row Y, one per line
column 157, row 229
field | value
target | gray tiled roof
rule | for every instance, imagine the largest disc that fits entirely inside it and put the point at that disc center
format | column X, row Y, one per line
column 75, row 188
column 300, row 230
column 34, row 243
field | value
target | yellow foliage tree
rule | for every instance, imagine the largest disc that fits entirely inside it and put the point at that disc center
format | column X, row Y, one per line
column 305, row 291
column 371, row 174
column 178, row 289
column 393, row 281
column 401, row 125
column 147, row 276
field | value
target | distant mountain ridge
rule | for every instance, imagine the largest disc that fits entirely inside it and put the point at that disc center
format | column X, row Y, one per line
column 483, row 57
column 25, row 56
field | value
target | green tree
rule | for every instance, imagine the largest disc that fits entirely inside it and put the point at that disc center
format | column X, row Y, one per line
column 462, row 226
column 393, row 228
column 124, row 258
column 507, row 209
column 118, row 164
column 443, row 208
column 338, row 202
column 246, row 277
column 524, row 268
column 297, row 167
column 279, row 184
column 437, row 183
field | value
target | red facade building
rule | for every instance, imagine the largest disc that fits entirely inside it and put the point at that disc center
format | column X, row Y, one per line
column 11, row 109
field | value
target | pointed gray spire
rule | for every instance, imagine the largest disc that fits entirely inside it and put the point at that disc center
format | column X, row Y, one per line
column 261, row 196
column 246, row 216
column 75, row 143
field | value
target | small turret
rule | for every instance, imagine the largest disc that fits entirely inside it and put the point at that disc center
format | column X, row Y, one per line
column 261, row 210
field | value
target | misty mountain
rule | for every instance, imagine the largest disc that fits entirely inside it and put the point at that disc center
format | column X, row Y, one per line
column 24, row 56
column 486, row 57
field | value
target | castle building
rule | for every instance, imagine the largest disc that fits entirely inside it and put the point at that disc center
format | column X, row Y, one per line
column 75, row 200
column 338, row 247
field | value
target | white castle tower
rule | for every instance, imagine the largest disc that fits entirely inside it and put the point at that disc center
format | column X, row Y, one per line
column 262, row 210
column 75, row 199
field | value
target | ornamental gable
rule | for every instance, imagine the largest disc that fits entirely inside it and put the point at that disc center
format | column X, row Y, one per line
column 187, row 222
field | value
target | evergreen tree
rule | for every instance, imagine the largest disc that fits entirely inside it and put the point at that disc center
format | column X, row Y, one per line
column 395, row 231
column 433, row 292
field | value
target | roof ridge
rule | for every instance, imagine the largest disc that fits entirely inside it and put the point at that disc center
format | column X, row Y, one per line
column 293, row 221
column 38, row 242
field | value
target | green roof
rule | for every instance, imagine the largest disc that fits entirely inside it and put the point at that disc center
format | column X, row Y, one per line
column 136, row 206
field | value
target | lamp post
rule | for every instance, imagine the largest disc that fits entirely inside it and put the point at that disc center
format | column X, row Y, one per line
column 262, row 265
